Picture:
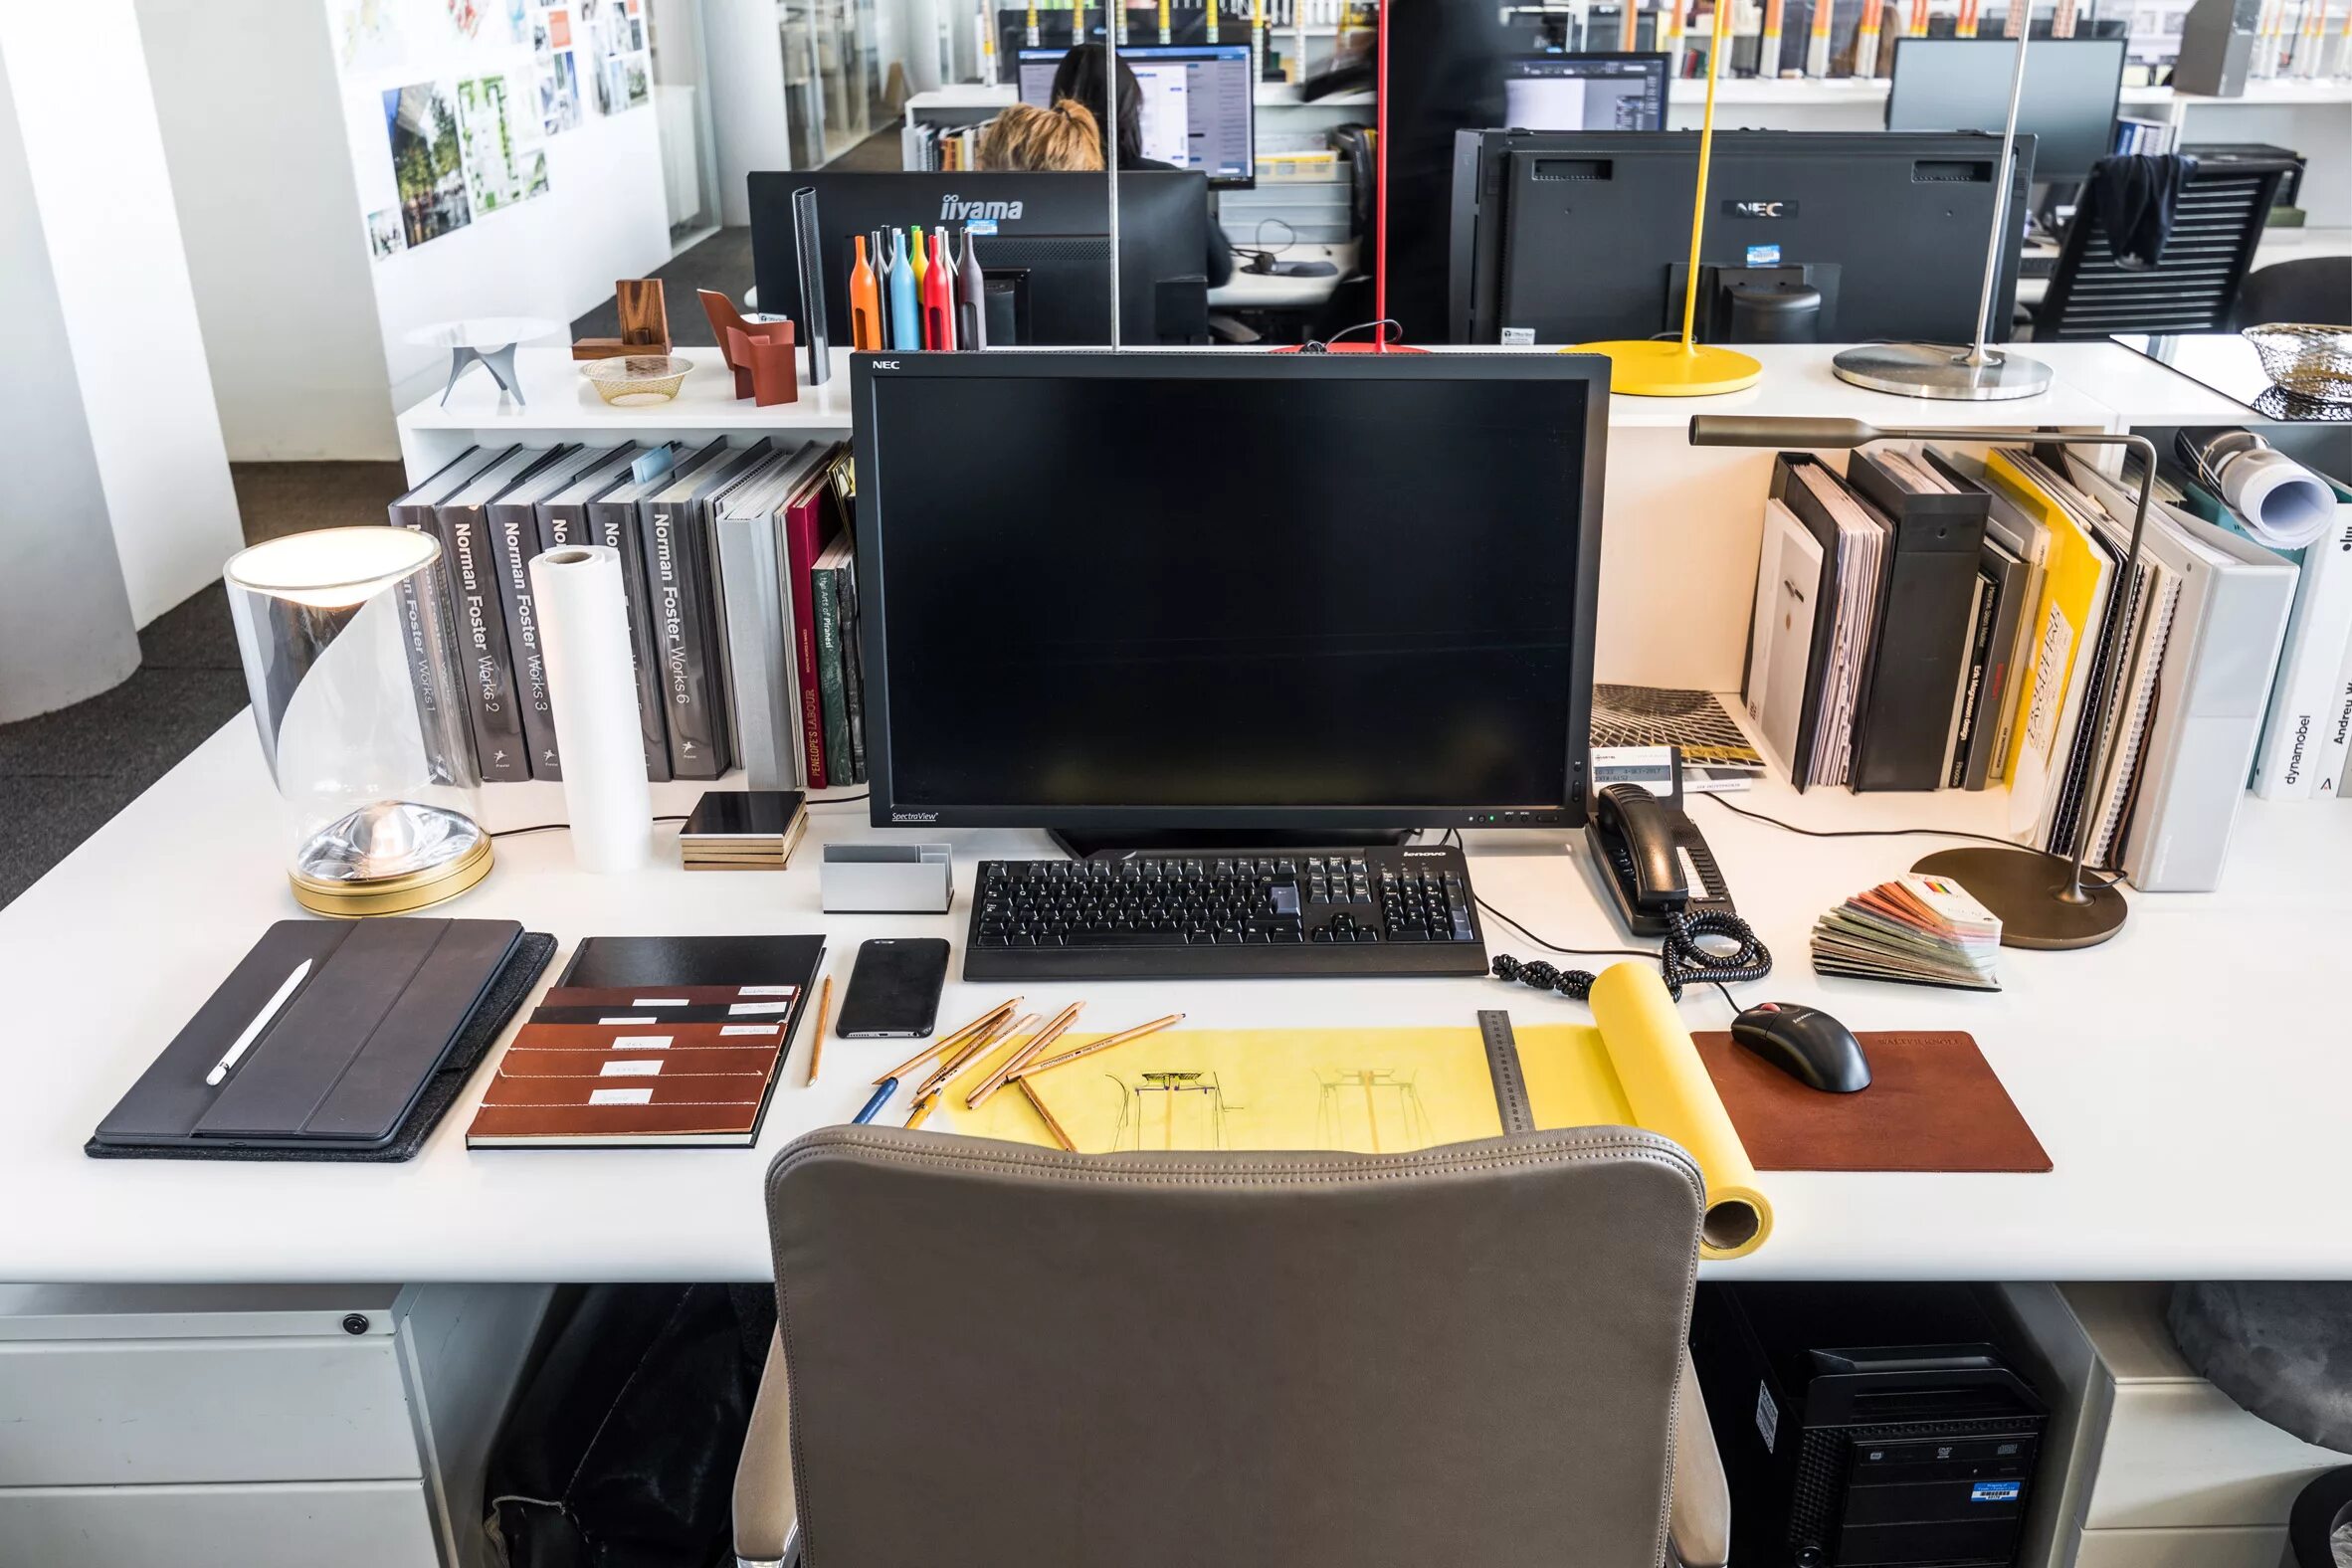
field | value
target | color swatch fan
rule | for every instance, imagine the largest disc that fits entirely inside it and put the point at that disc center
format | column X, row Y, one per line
column 1917, row 931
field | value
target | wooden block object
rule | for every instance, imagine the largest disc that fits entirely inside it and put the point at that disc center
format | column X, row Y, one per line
column 645, row 322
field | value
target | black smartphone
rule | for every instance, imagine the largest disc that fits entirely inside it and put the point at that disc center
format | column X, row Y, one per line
column 893, row 989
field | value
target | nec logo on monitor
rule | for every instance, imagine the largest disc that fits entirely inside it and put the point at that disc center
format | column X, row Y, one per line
column 954, row 209
column 1733, row 208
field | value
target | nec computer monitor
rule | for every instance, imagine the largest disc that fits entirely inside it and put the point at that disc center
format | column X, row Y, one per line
column 1373, row 609
column 1585, row 92
column 1962, row 83
column 1053, row 228
column 1199, row 105
column 1571, row 237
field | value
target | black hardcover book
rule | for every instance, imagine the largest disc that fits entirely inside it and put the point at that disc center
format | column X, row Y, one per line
column 678, row 589
column 1903, row 718
column 612, row 523
column 494, row 707
column 431, row 657
column 1975, row 684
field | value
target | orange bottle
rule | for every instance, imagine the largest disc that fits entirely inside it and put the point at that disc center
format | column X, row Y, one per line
column 865, row 302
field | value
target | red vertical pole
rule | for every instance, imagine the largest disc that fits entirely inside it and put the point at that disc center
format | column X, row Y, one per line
column 1380, row 191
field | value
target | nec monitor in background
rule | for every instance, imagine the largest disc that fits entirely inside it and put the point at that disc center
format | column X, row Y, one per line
column 1050, row 230
column 1199, row 107
column 1573, row 237
column 1585, row 92
column 1369, row 607
column 1962, row 83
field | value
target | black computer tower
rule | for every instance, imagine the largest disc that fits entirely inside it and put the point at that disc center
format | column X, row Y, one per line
column 1866, row 1426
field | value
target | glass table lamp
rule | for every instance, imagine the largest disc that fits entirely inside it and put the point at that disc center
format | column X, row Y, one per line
column 350, row 656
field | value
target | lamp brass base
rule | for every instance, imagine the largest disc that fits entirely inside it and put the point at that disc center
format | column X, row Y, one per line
column 2023, row 888
column 1640, row 368
column 1938, row 370
column 394, row 895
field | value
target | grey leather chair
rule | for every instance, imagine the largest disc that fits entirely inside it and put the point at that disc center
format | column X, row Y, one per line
column 990, row 1355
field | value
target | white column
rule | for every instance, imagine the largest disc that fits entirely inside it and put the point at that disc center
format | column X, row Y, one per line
column 747, row 118
column 66, row 631
column 85, row 115
column 269, row 210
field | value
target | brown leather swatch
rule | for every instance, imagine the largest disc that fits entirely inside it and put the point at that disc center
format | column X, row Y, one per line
column 1933, row 1105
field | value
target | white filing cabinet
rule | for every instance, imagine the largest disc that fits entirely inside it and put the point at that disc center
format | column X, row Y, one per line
column 2161, row 1469
column 253, row 1427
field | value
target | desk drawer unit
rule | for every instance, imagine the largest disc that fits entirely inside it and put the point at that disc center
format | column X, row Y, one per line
column 251, row 1425
column 2161, row 1469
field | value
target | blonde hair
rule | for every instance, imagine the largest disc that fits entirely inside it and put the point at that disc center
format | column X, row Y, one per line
column 1042, row 140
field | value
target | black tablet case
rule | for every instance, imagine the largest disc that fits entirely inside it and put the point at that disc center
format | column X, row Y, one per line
column 1903, row 714
column 376, row 1104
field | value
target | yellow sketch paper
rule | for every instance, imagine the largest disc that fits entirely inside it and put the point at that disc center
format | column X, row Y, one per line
column 1386, row 1091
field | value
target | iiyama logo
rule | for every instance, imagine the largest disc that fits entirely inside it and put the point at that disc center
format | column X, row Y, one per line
column 954, row 208
column 1734, row 208
column 914, row 816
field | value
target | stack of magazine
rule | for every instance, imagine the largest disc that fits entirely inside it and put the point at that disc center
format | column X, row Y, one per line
column 1918, row 930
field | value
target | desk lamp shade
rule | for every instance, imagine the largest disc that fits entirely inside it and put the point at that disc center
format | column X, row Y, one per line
column 1687, row 368
column 2043, row 899
column 350, row 657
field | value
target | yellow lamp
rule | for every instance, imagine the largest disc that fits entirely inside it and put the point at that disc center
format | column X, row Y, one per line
column 1646, row 368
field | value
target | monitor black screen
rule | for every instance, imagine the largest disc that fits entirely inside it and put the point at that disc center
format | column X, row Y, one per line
column 1962, row 83
column 1367, row 603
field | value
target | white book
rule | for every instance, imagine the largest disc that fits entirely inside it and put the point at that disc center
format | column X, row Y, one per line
column 1780, row 645
column 2302, row 698
column 2335, row 740
column 2213, row 690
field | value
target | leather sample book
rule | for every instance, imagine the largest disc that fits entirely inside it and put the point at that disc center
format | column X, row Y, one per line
column 331, row 1040
column 646, row 1041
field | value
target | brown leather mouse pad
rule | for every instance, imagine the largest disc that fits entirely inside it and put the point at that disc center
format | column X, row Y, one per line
column 1933, row 1105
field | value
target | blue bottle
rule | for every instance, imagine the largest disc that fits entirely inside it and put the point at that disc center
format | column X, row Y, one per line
column 905, row 321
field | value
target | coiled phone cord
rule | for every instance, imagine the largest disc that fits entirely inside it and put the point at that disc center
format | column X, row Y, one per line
column 1680, row 961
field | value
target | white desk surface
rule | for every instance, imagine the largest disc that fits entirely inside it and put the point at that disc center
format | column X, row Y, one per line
column 2190, row 1079
column 1263, row 292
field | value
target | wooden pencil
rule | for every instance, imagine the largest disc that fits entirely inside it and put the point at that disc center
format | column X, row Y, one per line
column 1104, row 1043
column 1052, row 1126
column 1055, row 1029
column 922, row 1110
column 824, row 1017
column 972, row 1051
column 952, row 1039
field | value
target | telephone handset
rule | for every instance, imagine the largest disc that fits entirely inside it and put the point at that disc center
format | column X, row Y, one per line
column 1654, row 860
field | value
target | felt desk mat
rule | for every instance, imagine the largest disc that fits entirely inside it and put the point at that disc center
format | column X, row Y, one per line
column 1933, row 1105
column 519, row 975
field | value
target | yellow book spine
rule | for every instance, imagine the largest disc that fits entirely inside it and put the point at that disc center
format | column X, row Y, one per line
column 2068, row 588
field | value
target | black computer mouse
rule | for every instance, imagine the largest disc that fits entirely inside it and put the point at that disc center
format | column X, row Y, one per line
column 1807, row 1044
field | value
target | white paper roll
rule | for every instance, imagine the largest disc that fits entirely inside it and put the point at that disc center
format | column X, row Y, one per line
column 2284, row 504
column 592, row 687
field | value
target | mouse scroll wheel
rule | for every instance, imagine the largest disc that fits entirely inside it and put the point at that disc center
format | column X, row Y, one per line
column 1767, row 1007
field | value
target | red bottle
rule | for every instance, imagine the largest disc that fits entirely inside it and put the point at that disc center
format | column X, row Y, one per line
column 938, row 300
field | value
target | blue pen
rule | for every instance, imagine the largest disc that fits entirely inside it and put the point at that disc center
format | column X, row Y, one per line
column 881, row 1097
column 905, row 326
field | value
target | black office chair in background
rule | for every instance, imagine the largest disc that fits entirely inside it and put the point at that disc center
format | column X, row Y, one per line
column 2194, row 285
column 2307, row 289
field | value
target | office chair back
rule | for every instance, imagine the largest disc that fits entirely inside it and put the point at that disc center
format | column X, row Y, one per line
column 2192, row 288
column 2307, row 289
column 1005, row 1357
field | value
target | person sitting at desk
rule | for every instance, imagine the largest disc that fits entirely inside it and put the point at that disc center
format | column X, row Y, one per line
column 1026, row 138
column 1079, row 78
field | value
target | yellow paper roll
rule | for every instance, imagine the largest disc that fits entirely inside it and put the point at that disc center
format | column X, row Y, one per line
column 1668, row 1092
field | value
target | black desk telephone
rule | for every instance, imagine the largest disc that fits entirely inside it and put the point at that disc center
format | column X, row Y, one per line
column 1653, row 859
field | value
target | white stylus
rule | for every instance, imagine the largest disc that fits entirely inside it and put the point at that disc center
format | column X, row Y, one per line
column 261, row 1021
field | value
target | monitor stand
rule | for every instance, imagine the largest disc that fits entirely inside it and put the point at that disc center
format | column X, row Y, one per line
column 1081, row 845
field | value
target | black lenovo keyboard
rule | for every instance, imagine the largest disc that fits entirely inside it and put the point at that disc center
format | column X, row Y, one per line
column 1212, row 914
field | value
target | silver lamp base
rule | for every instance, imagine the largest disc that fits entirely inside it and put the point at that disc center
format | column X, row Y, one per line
column 1938, row 370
